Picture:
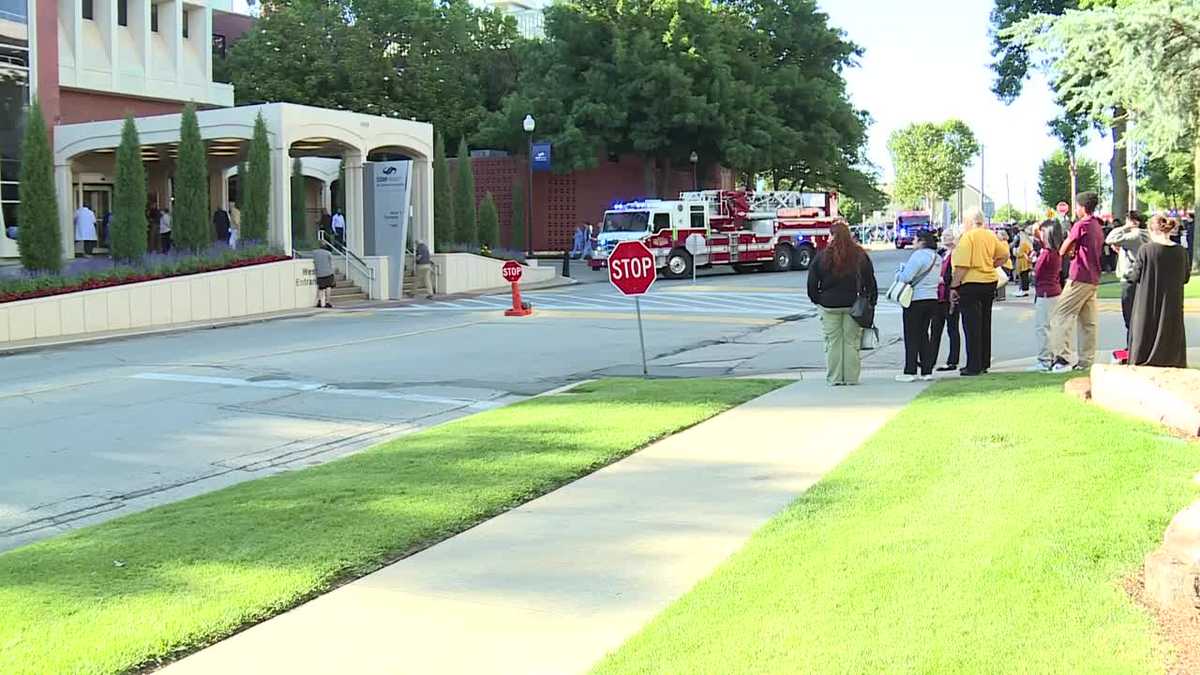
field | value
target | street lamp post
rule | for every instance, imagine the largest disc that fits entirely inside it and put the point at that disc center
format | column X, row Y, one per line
column 694, row 159
column 528, row 125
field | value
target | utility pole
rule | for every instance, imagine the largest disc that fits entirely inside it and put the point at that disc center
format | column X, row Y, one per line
column 982, row 190
column 1007, row 190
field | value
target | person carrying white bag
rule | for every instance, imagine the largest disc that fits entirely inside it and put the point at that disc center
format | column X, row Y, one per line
column 916, row 290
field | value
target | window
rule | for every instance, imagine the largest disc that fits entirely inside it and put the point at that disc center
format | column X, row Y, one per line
column 697, row 217
column 87, row 10
column 14, row 102
column 662, row 221
column 122, row 12
column 153, row 18
column 218, row 46
column 186, row 17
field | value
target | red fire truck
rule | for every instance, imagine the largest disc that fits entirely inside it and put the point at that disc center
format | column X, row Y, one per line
column 775, row 231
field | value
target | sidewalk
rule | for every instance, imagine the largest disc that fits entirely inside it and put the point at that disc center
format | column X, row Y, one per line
column 553, row 585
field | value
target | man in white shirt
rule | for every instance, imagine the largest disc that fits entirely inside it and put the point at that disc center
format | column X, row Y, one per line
column 85, row 228
column 164, row 230
column 339, row 225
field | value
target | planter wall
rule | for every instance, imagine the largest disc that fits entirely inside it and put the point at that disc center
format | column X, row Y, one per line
column 468, row 273
column 210, row 296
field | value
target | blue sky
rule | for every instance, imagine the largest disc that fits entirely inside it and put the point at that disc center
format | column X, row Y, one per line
column 927, row 60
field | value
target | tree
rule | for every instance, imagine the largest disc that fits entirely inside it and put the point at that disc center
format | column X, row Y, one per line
column 255, row 190
column 1009, row 213
column 39, row 237
column 930, row 160
column 1098, row 74
column 1071, row 131
column 127, row 231
column 189, row 223
column 1169, row 181
column 466, row 231
column 299, row 215
column 516, row 238
column 1014, row 59
column 1054, row 179
column 444, row 231
column 489, row 222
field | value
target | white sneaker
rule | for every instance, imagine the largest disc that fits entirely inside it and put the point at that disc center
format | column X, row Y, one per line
column 927, row 378
column 1061, row 368
column 906, row 378
column 1039, row 368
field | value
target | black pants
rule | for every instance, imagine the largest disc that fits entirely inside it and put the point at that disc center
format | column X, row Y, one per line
column 949, row 321
column 920, row 347
column 164, row 240
column 1025, row 281
column 89, row 245
column 976, row 303
column 1127, row 290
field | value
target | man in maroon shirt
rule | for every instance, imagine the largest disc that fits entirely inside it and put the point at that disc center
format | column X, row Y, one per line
column 1077, row 304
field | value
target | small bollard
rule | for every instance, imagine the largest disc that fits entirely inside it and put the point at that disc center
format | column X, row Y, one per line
column 566, row 270
column 518, row 308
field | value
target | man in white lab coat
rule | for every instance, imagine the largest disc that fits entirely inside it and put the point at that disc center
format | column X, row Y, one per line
column 85, row 228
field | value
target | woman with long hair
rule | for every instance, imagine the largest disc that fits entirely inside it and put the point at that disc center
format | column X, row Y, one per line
column 840, row 274
column 1157, row 336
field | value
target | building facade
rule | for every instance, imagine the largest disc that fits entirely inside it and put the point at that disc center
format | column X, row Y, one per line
column 95, row 60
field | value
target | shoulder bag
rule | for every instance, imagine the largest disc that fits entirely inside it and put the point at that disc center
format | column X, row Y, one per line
column 863, row 309
column 901, row 292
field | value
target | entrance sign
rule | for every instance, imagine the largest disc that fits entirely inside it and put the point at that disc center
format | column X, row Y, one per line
column 631, row 270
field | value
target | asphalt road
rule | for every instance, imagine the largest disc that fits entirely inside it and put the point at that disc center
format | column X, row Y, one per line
column 99, row 430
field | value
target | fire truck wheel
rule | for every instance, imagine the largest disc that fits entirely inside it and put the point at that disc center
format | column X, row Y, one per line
column 679, row 264
column 803, row 257
column 782, row 261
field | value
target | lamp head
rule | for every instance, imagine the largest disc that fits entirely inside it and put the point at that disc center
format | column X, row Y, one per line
column 528, row 124
column 693, row 158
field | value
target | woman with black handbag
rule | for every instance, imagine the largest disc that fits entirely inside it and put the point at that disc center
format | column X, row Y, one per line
column 842, row 283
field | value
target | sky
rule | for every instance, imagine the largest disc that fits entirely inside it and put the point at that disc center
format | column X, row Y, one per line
column 928, row 60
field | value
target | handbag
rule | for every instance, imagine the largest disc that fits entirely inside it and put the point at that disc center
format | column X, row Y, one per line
column 870, row 339
column 901, row 292
column 863, row 309
column 1001, row 277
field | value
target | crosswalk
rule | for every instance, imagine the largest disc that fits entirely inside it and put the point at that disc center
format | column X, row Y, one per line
column 777, row 305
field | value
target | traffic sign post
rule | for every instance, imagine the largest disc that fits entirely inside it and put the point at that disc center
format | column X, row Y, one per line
column 511, row 271
column 695, row 245
column 631, row 270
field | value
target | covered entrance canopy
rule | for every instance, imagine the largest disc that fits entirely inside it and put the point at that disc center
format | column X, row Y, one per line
column 83, row 155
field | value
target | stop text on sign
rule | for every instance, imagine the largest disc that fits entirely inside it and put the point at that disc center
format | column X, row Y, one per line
column 632, row 268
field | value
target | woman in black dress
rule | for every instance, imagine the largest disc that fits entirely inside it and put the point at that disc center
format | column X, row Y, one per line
column 1156, row 325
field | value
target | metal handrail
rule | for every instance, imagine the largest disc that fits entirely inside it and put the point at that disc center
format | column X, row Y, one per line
column 350, row 256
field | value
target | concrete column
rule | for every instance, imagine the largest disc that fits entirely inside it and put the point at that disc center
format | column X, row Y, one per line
column 65, row 191
column 422, row 202
column 279, row 233
column 327, row 196
column 355, row 210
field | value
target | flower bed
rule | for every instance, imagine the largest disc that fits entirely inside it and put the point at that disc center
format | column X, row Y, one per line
column 93, row 273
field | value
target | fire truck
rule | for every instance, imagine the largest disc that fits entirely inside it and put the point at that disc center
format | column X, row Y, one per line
column 775, row 231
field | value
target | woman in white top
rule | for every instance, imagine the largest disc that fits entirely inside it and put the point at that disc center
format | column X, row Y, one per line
column 923, row 272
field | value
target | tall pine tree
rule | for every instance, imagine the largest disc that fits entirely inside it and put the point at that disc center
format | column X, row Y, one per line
column 255, row 190
column 489, row 222
column 40, row 239
column 443, row 201
column 466, row 231
column 189, row 223
column 127, row 231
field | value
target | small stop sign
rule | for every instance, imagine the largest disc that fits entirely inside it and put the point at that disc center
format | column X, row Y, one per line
column 631, row 268
column 511, row 271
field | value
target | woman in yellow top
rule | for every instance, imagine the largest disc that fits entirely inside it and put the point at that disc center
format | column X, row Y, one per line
column 1024, row 262
column 973, row 288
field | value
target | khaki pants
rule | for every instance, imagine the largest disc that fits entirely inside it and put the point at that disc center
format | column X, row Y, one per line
column 1044, row 313
column 1076, row 307
column 843, row 339
column 424, row 279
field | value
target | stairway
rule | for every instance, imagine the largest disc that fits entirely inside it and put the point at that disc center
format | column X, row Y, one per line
column 409, row 285
column 345, row 291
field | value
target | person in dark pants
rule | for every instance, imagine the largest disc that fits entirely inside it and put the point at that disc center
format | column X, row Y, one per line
column 947, row 317
column 921, row 272
column 1127, row 240
column 973, row 288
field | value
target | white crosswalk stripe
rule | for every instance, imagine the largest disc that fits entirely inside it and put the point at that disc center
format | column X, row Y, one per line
column 758, row 304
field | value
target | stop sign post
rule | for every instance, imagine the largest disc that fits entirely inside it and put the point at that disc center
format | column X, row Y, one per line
column 511, row 271
column 631, row 270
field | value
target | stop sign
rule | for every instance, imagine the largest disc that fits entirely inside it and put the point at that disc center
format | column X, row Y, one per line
column 631, row 268
column 511, row 271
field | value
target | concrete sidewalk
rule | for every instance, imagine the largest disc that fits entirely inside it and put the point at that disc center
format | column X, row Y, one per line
column 553, row 585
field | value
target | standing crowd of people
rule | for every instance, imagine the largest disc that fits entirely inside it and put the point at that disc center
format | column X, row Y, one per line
column 955, row 280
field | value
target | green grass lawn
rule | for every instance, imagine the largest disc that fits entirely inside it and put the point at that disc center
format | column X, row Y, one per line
column 987, row 528
column 1110, row 288
column 141, row 588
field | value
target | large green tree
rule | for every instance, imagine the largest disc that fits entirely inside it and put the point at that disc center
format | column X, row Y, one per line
column 465, row 227
column 930, row 160
column 1071, row 131
column 1141, row 57
column 1169, row 181
column 39, row 237
column 127, row 231
column 254, row 186
column 1013, row 63
column 1055, row 179
column 190, row 228
column 443, row 196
